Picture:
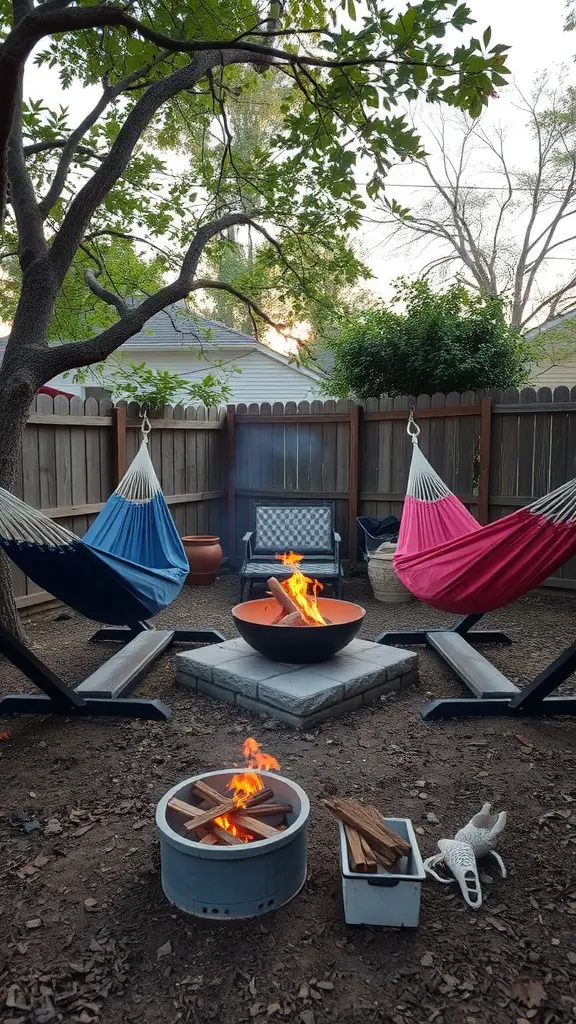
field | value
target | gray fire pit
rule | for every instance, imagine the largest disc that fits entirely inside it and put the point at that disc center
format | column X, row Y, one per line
column 233, row 881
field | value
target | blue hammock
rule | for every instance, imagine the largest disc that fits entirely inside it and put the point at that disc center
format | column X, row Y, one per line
column 128, row 566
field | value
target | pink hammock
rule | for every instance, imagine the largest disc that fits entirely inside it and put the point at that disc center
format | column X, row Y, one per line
column 446, row 559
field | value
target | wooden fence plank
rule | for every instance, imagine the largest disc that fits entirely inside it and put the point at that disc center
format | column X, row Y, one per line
column 542, row 438
column 291, row 450
column 526, row 425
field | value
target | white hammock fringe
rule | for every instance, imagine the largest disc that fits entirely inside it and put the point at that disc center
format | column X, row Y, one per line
column 424, row 484
column 140, row 483
column 23, row 524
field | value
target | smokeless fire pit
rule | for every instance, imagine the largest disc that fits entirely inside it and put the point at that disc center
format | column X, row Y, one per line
column 302, row 645
column 247, row 878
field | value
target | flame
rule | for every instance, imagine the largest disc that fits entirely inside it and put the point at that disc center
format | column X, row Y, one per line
column 297, row 586
column 224, row 822
column 247, row 784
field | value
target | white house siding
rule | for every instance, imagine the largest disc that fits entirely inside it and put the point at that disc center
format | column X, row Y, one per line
column 562, row 375
column 262, row 379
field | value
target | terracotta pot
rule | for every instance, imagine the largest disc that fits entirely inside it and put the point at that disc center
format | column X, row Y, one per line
column 204, row 556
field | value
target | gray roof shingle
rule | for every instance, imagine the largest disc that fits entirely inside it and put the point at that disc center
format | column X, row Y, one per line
column 176, row 327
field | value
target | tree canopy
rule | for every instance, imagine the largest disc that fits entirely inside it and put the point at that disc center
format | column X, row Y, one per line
column 436, row 342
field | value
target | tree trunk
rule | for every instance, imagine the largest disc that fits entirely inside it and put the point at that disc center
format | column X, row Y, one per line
column 16, row 391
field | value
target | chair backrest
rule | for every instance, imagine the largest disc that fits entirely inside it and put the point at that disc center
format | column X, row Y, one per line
column 306, row 529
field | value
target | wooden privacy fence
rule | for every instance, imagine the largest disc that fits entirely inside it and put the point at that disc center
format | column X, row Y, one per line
column 496, row 450
column 74, row 451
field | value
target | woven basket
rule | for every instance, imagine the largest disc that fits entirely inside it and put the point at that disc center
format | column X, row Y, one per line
column 385, row 583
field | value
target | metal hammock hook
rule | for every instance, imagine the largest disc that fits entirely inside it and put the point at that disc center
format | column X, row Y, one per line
column 412, row 428
column 145, row 427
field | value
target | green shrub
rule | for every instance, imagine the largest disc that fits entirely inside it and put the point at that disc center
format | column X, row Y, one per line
column 440, row 341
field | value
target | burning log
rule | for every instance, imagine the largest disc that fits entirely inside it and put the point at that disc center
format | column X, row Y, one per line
column 294, row 619
column 263, row 810
column 386, row 845
column 284, row 600
column 195, row 812
column 260, row 829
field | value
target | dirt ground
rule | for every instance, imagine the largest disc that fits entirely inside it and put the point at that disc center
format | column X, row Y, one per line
column 86, row 934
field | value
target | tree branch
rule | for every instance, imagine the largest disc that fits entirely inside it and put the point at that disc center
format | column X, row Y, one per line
column 91, row 278
column 114, row 164
column 31, row 241
column 83, row 353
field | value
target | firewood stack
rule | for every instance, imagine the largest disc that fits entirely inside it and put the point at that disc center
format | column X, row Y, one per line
column 290, row 614
column 248, row 823
column 369, row 839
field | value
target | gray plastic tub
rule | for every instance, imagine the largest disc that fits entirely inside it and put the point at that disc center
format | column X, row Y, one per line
column 233, row 881
column 390, row 900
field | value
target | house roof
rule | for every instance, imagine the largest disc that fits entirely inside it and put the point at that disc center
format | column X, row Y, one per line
column 556, row 321
column 174, row 328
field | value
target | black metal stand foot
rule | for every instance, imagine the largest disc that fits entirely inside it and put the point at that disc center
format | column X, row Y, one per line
column 464, row 707
column 31, row 704
column 122, row 634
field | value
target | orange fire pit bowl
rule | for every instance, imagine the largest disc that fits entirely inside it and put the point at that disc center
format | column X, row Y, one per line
column 299, row 644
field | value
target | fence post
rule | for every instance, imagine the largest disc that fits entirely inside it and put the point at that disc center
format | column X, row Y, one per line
column 484, row 477
column 231, row 478
column 119, row 440
column 353, row 481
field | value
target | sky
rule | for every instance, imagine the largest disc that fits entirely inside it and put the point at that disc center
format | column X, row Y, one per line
column 533, row 29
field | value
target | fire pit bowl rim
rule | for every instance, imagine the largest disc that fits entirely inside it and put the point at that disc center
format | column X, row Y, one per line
column 313, row 644
column 186, row 845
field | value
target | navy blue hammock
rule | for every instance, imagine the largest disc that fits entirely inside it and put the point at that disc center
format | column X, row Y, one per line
column 127, row 567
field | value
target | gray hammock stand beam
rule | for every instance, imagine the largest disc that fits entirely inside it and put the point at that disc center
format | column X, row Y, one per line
column 494, row 696
column 102, row 692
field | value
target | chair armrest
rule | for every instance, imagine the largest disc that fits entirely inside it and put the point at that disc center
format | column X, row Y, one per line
column 337, row 537
column 247, row 539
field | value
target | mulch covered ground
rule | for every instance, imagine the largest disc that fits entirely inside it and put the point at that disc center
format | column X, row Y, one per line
column 86, row 934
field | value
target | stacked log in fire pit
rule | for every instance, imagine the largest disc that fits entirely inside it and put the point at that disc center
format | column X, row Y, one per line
column 225, row 822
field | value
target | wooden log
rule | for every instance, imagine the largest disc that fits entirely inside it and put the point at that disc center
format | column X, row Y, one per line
column 195, row 812
column 261, row 829
column 355, row 851
column 293, row 619
column 214, row 797
column 284, row 599
column 210, row 839
column 205, row 817
column 368, row 855
column 226, row 836
column 207, row 792
column 380, row 838
column 394, row 836
column 260, row 797
column 262, row 810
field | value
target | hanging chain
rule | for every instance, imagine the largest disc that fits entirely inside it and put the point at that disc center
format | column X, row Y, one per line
column 412, row 428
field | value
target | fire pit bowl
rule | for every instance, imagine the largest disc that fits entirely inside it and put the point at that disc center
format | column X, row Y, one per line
column 229, row 882
column 299, row 644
